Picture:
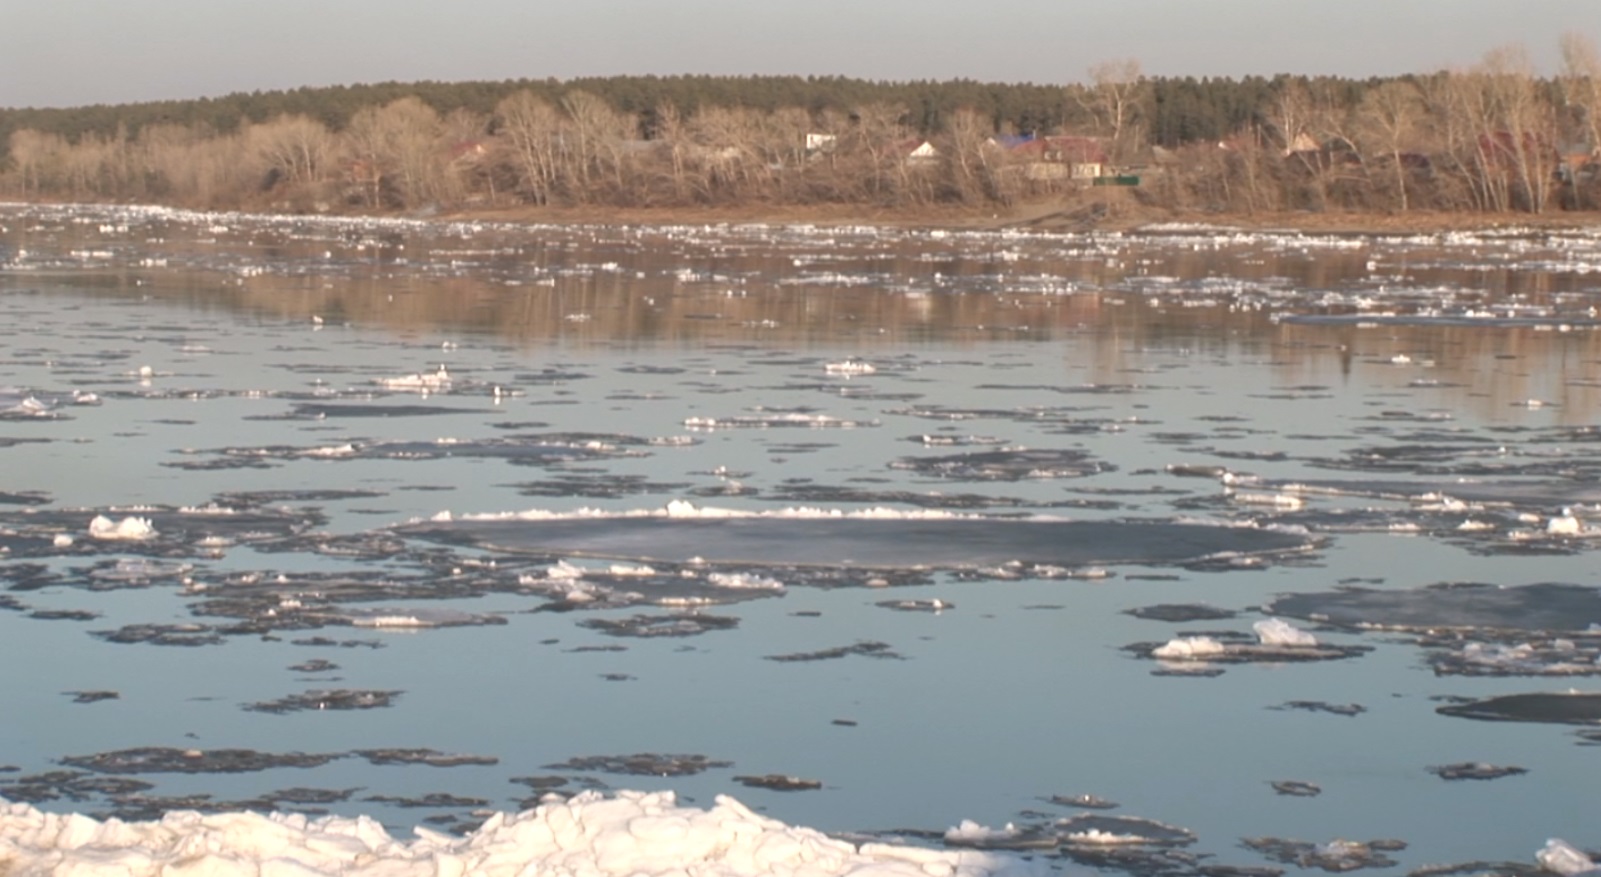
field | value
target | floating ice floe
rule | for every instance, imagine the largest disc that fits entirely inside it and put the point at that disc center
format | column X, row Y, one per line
column 1564, row 524
column 1093, row 830
column 1270, row 500
column 850, row 368
column 1278, row 632
column 414, row 618
column 863, row 538
column 1546, row 606
column 631, row 833
column 1007, row 464
column 1336, row 856
column 437, row 380
column 1563, row 708
column 1277, row 640
column 16, row 404
column 653, row 626
column 1559, row 656
column 1563, row 858
column 1475, row 770
column 778, row 782
column 775, row 420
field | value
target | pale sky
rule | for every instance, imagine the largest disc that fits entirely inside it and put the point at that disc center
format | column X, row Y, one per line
column 72, row 52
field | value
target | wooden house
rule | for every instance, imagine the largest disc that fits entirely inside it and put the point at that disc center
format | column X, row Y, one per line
column 1063, row 157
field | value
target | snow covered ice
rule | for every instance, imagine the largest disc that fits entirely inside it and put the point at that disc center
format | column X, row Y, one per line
column 628, row 834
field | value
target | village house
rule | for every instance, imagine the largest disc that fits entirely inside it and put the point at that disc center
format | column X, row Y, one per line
column 1302, row 144
column 820, row 144
column 1578, row 163
column 918, row 153
column 1060, row 157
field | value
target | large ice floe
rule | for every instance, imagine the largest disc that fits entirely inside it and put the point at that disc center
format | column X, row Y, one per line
column 631, row 833
column 1276, row 640
column 884, row 538
column 1547, row 606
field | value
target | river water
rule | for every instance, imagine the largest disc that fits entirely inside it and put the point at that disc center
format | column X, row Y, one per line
column 901, row 513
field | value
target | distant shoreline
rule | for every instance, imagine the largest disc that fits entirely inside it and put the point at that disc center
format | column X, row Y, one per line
column 1062, row 215
column 1069, row 214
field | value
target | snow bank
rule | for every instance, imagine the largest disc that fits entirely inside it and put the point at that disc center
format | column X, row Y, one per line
column 631, row 833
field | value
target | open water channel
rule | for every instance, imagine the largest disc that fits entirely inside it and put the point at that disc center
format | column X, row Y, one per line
column 876, row 530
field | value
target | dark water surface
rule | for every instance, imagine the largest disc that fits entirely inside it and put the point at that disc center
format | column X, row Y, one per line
column 426, row 519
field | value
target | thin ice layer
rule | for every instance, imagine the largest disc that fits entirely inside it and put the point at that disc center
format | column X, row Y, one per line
column 1546, row 606
column 881, row 539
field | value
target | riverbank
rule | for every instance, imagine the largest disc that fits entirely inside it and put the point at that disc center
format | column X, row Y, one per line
column 1112, row 212
column 1116, row 211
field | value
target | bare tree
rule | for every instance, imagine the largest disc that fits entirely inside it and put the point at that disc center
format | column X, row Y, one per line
column 194, row 165
column 466, row 156
column 534, row 129
column 599, row 133
column 1581, row 93
column 971, row 156
column 876, row 135
column 725, row 151
column 1297, row 121
column 1452, row 137
column 296, row 148
column 1519, row 137
column 1117, row 87
column 39, row 159
column 396, row 148
column 1387, row 122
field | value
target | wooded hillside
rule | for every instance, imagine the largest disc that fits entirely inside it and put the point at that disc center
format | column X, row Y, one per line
column 1493, row 137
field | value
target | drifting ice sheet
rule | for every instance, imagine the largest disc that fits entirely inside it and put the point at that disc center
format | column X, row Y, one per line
column 877, row 538
column 1547, row 606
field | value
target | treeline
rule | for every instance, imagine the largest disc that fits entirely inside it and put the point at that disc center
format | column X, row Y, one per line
column 1493, row 137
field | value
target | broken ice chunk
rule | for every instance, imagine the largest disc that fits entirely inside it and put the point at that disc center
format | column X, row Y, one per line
column 1278, row 632
column 129, row 528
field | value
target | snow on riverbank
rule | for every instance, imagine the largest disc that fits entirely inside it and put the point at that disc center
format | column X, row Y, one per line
column 631, row 833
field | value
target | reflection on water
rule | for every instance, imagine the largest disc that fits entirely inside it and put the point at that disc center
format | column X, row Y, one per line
column 1188, row 291
column 216, row 428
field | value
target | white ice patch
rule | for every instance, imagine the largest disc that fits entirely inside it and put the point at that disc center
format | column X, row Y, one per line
column 1564, row 524
column 768, row 421
column 632, row 833
column 850, row 368
column 29, row 407
column 564, row 570
column 436, row 381
column 1189, row 648
column 408, row 619
column 970, row 832
column 1097, row 837
column 1274, row 500
column 1563, row 858
column 682, row 508
column 344, row 450
column 129, row 528
column 744, row 581
column 1278, row 632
